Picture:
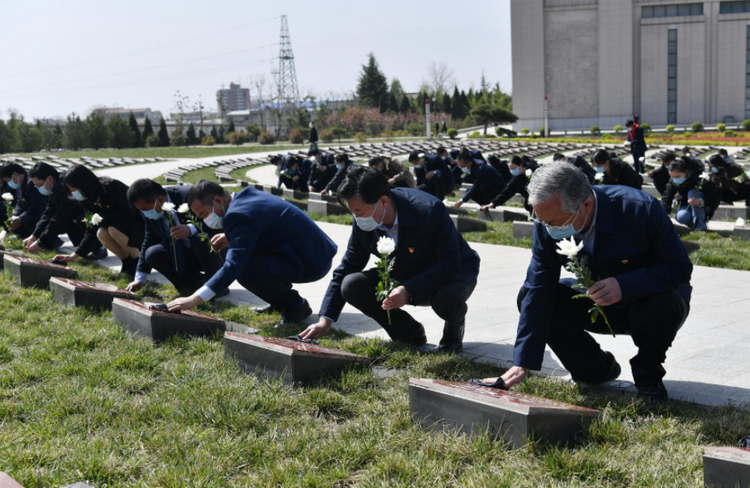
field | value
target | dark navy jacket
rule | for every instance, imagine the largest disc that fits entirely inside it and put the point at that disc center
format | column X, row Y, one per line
column 430, row 252
column 61, row 208
column 30, row 204
column 483, row 174
column 638, row 146
column 262, row 226
column 436, row 164
column 333, row 185
column 635, row 242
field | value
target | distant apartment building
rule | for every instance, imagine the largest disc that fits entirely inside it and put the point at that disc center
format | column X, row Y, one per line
column 232, row 99
column 124, row 113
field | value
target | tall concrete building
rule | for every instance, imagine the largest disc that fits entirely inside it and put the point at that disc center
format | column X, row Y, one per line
column 601, row 61
column 234, row 98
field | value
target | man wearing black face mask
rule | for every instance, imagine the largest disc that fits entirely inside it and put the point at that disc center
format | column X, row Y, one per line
column 433, row 263
column 271, row 245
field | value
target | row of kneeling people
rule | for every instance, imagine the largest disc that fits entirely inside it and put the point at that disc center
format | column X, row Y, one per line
column 268, row 245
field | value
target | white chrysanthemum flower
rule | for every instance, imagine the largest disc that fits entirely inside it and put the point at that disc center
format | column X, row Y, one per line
column 386, row 245
column 569, row 247
column 7, row 197
column 184, row 208
column 529, row 173
column 2, row 236
column 599, row 177
column 167, row 207
column 96, row 219
column 705, row 176
column 740, row 222
column 643, row 158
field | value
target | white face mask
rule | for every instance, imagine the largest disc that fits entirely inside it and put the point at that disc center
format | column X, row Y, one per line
column 213, row 220
column 369, row 224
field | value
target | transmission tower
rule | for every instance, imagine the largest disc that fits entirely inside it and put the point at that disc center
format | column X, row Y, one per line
column 286, row 76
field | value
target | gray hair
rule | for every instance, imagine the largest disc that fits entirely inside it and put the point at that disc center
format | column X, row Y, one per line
column 559, row 178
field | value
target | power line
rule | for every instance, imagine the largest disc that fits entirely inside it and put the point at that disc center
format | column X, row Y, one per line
column 138, row 53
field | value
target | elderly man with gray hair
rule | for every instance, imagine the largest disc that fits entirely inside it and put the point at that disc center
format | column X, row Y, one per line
column 642, row 275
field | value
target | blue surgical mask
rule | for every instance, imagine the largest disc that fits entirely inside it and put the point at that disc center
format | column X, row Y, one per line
column 213, row 220
column 12, row 183
column 465, row 170
column 339, row 166
column 564, row 232
column 152, row 214
column 369, row 224
column 678, row 181
column 43, row 190
column 714, row 170
column 77, row 195
column 599, row 169
column 516, row 172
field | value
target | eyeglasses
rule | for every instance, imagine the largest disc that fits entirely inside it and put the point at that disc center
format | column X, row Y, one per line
column 555, row 227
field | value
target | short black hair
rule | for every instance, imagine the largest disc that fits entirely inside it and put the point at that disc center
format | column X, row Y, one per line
column 276, row 159
column 686, row 149
column 146, row 190
column 204, row 191
column 668, row 157
column 42, row 171
column 7, row 170
column 717, row 161
column 342, row 158
column 441, row 150
column 364, row 181
column 723, row 152
column 84, row 180
column 464, row 156
column 313, row 152
column 292, row 160
column 679, row 165
column 376, row 160
column 629, row 123
column 516, row 161
column 600, row 157
column 558, row 157
column 414, row 156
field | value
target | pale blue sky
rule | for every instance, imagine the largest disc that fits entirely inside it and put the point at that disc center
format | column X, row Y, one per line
column 65, row 56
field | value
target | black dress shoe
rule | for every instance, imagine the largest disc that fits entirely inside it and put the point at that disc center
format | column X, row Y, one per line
column 99, row 253
column 453, row 338
column 295, row 316
column 268, row 309
column 656, row 393
column 610, row 375
column 128, row 268
column 453, row 348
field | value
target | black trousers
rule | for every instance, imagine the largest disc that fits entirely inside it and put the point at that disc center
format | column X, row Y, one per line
column 74, row 228
column 449, row 303
column 486, row 194
column 742, row 193
column 652, row 322
column 637, row 164
column 271, row 288
column 198, row 258
column 435, row 186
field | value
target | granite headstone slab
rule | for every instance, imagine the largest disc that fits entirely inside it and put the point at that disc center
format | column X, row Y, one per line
column 85, row 294
column 4, row 253
column 293, row 361
column 726, row 467
column 508, row 416
column 35, row 273
column 141, row 320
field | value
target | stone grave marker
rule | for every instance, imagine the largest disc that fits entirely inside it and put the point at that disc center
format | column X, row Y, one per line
column 523, row 229
column 293, row 361
column 504, row 214
column 4, row 252
column 140, row 320
column 294, row 194
column 467, row 224
column 86, row 294
column 507, row 415
column 34, row 273
column 324, row 205
column 7, row 482
column 726, row 467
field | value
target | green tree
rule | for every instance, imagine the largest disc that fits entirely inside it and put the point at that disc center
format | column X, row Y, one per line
column 59, row 136
column 396, row 89
column 214, row 134
column 405, row 105
column 231, row 126
column 148, row 129
column 137, row 136
column 120, row 133
column 383, row 105
column 372, row 84
column 447, row 105
column 99, row 136
column 220, row 139
column 487, row 113
column 163, row 133
column 6, row 140
column 76, row 133
column 465, row 104
column 456, row 112
column 192, row 139
column 392, row 103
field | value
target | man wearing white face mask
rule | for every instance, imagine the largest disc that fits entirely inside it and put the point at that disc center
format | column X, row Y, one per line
column 29, row 202
column 433, row 263
column 271, row 245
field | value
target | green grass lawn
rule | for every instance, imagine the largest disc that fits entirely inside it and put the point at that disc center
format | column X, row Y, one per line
column 81, row 400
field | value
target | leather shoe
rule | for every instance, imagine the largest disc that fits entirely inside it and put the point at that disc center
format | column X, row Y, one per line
column 268, row 309
column 453, row 338
column 294, row 317
column 657, row 393
column 612, row 374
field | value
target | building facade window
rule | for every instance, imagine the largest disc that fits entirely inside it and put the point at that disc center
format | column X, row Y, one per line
column 734, row 7
column 672, row 76
column 684, row 10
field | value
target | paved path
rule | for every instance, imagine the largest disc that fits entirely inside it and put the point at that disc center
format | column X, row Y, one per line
column 707, row 362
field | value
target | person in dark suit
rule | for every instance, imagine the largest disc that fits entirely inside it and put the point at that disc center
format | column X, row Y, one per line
column 730, row 179
column 30, row 203
column 62, row 214
column 660, row 176
column 121, row 229
column 271, row 245
column 616, row 172
column 433, row 263
column 486, row 181
column 313, row 136
column 637, row 142
column 398, row 176
column 4, row 188
column 451, row 159
column 282, row 171
column 342, row 164
column 502, row 166
column 643, row 286
column 322, row 172
column 294, row 173
column 691, row 191
column 433, row 174
column 579, row 162
column 176, row 251
column 519, row 169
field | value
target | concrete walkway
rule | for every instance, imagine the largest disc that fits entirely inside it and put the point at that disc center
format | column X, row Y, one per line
column 706, row 364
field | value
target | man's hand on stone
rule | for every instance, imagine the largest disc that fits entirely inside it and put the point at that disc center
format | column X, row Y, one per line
column 184, row 303
column 134, row 286
column 606, row 292
column 512, row 377
column 397, row 299
column 316, row 330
